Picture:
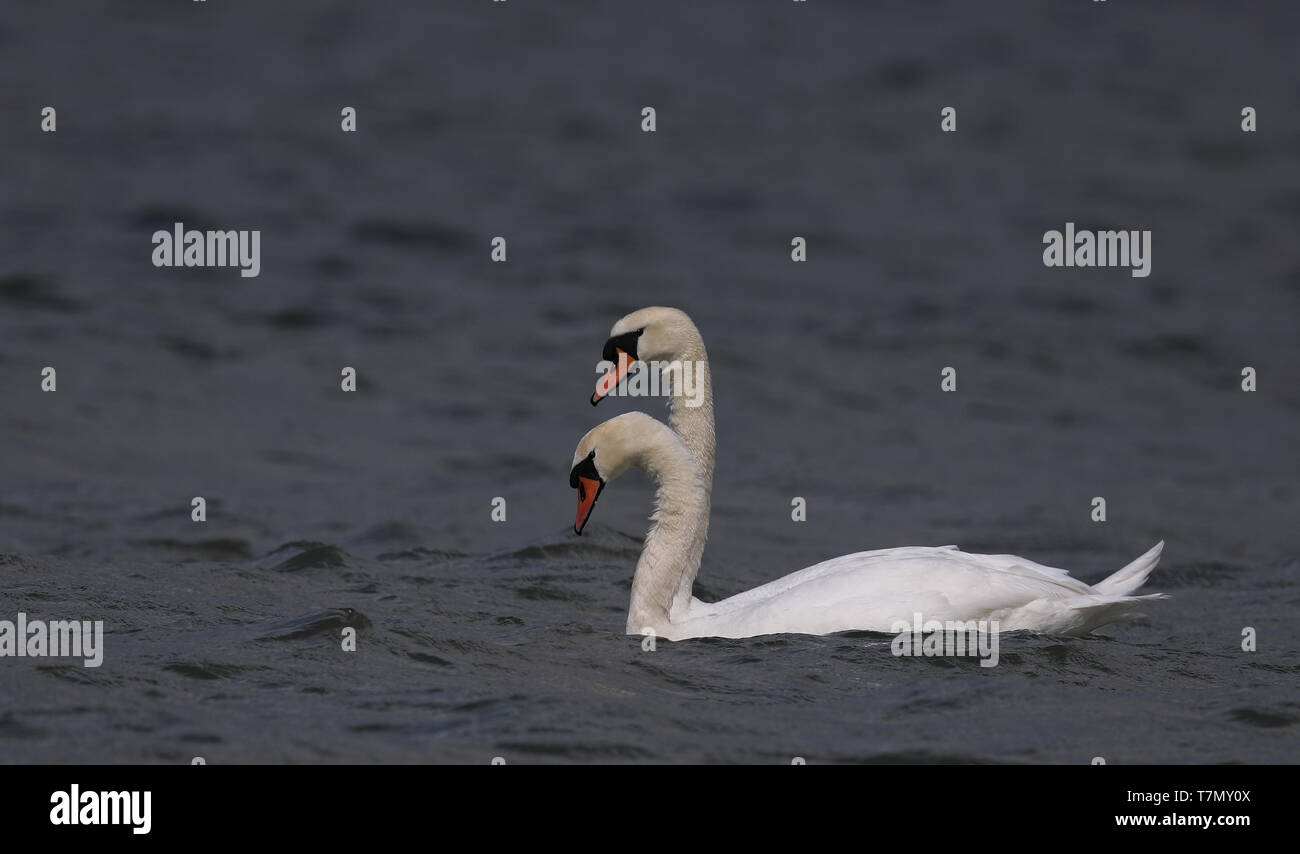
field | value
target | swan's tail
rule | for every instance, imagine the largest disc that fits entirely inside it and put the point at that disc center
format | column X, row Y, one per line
column 1091, row 612
column 1133, row 576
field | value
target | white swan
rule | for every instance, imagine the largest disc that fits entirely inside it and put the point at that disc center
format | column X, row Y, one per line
column 865, row 591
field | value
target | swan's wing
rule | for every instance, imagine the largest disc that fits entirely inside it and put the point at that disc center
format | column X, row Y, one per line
column 1020, row 565
column 838, row 566
column 877, row 589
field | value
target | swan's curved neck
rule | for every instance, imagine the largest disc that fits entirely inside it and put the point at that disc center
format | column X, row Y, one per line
column 694, row 423
column 671, row 555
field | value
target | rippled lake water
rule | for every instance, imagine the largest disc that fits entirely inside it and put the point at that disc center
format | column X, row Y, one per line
column 478, row 639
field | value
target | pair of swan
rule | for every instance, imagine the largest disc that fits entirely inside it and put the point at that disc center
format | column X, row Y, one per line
column 866, row 591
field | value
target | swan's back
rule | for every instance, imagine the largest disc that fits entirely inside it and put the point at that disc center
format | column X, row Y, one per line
column 874, row 590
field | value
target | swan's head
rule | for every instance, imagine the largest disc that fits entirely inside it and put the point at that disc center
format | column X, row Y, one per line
column 606, row 452
column 648, row 334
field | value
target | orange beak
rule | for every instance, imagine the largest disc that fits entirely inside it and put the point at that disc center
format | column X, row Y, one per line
column 588, row 491
column 612, row 378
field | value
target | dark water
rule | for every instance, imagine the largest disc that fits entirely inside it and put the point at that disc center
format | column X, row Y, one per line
column 478, row 638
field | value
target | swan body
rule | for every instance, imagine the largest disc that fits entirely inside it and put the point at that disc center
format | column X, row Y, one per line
column 878, row 590
column 871, row 591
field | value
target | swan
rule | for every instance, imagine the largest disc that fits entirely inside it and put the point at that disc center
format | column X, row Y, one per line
column 866, row 591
